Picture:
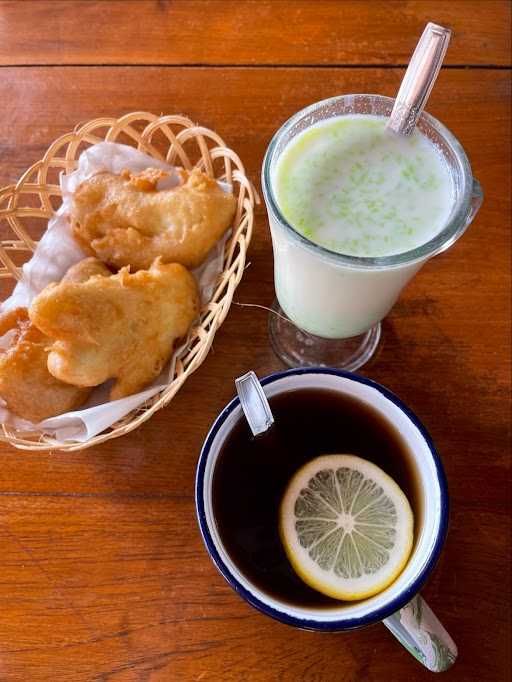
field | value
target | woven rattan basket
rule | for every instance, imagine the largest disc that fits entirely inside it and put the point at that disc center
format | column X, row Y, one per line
column 26, row 207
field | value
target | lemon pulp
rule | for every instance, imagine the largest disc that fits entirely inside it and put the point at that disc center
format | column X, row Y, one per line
column 346, row 526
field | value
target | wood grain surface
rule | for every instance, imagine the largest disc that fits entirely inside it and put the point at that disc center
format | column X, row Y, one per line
column 103, row 574
column 250, row 32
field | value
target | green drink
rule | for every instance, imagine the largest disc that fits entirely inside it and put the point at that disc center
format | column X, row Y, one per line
column 355, row 188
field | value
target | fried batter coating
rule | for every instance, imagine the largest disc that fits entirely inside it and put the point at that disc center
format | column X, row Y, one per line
column 85, row 269
column 124, row 220
column 26, row 386
column 121, row 327
column 145, row 181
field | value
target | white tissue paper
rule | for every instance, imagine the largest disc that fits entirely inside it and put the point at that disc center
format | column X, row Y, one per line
column 56, row 252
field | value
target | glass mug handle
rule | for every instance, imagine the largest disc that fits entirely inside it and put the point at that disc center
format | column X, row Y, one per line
column 417, row 628
column 477, row 196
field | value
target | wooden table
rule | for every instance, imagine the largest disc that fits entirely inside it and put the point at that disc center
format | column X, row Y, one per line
column 103, row 574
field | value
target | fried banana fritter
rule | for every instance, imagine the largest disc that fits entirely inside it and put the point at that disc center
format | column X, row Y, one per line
column 121, row 327
column 85, row 269
column 26, row 386
column 124, row 220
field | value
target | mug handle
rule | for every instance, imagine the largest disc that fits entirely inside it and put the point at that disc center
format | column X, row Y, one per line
column 417, row 628
column 477, row 196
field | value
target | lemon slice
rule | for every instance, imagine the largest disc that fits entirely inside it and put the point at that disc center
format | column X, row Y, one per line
column 346, row 526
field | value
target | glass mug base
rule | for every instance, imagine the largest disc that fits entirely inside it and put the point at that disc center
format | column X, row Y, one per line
column 297, row 348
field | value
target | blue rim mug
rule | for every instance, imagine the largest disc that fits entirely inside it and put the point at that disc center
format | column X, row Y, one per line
column 399, row 606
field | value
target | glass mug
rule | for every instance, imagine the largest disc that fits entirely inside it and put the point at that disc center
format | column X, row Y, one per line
column 330, row 305
column 399, row 606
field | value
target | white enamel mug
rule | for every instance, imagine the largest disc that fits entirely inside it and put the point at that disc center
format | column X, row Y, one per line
column 399, row 606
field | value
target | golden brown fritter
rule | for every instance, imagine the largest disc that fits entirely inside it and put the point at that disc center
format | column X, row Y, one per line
column 26, row 385
column 121, row 327
column 124, row 220
column 85, row 269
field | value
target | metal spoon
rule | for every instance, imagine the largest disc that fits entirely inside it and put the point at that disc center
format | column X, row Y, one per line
column 419, row 79
column 254, row 403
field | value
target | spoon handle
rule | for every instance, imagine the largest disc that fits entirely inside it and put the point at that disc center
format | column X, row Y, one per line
column 254, row 403
column 419, row 79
